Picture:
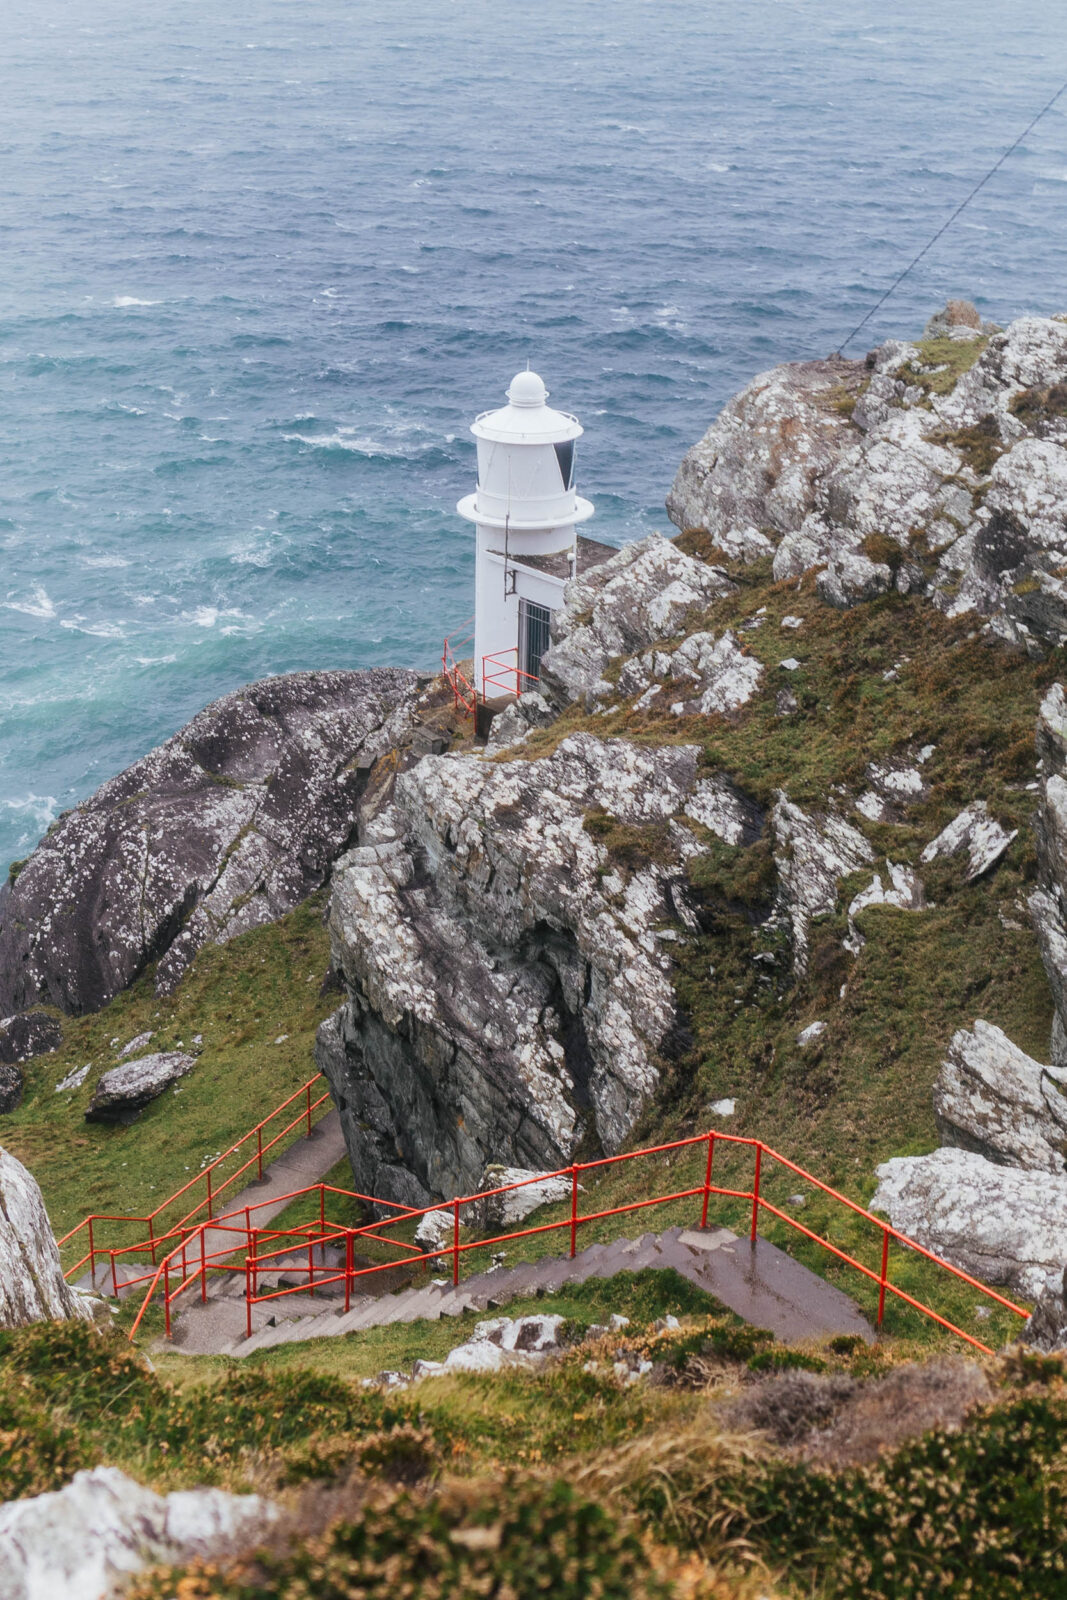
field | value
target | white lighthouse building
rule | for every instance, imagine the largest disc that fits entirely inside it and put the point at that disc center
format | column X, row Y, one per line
column 526, row 513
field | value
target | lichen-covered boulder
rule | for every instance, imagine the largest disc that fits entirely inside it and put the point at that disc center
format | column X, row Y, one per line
column 28, row 1034
column 814, row 459
column 752, row 477
column 641, row 595
column 226, row 826
column 32, row 1286
column 993, row 1098
column 128, row 1088
column 509, row 985
column 84, row 1541
column 705, row 675
column 1046, row 903
column 1046, row 1328
column 1000, row 1224
column 11, row 1086
column 813, row 853
column 973, row 833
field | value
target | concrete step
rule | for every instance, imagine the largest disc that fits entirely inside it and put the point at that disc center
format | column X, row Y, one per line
column 759, row 1282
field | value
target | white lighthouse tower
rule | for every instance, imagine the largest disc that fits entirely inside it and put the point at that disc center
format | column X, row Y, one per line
column 526, row 513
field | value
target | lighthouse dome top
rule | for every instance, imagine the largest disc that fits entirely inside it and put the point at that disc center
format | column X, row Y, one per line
column 527, row 389
column 527, row 418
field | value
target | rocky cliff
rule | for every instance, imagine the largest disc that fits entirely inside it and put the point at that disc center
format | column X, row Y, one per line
column 937, row 468
column 232, row 822
column 518, row 928
column 32, row 1286
column 777, row 834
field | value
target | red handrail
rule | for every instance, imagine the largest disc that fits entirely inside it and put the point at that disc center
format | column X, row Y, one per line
column 464, row 692
column 256, row 1260
column 212, row 1190
column 502, row 674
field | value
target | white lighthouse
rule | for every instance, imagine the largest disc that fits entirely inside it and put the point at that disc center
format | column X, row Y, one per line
column 526, row 512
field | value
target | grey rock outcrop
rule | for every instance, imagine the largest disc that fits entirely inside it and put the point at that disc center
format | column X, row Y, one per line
column 11, row 1087
column 32, row 1286
column 756, row 469
column 639, row 596
column 904, row 892
column 496, row 1344
column 1000, row 1224
column 706, row 674
column 1047, row 1326
column 992, row 1098
column 977, row 834
column 29, row 1034
column 851, row 578
column 813, row 853
column 229, row 824
column 81, row 1542
column 127, row 1089
column 509, row 987
column 812, row 459
column 516, row 722
column 1046, row 903
column 538, row 1189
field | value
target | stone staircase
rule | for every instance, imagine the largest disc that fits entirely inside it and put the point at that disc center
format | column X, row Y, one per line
column 756, row 1280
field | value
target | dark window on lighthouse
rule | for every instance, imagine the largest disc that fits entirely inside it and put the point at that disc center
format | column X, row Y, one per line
column 565, row 457
column 533, row 639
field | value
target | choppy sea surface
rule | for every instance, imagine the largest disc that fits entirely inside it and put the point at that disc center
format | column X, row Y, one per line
column 263, row 262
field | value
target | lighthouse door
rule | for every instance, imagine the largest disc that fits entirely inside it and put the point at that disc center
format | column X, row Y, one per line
column 533, row 639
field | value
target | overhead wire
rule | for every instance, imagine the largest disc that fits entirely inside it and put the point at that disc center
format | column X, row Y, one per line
column 948, row 223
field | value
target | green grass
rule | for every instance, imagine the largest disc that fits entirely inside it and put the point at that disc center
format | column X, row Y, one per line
column 240, row 998
column 864, row 1093
column 943, row 363
column 980, row 1512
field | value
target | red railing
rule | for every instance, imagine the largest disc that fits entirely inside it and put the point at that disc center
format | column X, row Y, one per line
column 209, row 1255
column 158, row 1234
column 511, row 679
column 464, row 692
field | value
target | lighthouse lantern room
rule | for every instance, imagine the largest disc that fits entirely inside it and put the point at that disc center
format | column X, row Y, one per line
column 525, row 511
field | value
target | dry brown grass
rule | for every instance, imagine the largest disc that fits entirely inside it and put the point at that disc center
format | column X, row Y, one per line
column 836, row 1421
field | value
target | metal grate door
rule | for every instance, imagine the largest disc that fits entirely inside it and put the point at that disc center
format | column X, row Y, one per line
column 534, row 637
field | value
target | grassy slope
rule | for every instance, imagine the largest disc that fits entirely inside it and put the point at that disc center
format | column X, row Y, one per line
column 240, row 997
column 862, row 1095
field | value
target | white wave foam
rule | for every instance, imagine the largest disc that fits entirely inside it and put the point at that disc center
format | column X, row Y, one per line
column 347, row 439
column 97, row 630
column 121, row 301
column 208, row 616
column 154, row 661
column 35, row 810
column 105, row 561
column 39, row 606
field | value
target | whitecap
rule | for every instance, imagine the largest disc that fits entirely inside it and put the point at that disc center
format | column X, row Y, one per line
column 719, row 166
column 105, row 561
column 121, row 301
column 208, row 616
column 39, row 606
column 37, row 810
column 97, row 630
column 154, row 661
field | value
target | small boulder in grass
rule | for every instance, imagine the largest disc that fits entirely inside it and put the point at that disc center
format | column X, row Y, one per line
column 126, row 1090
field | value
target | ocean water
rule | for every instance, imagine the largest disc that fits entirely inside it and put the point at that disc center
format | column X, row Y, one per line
column 263, row 262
